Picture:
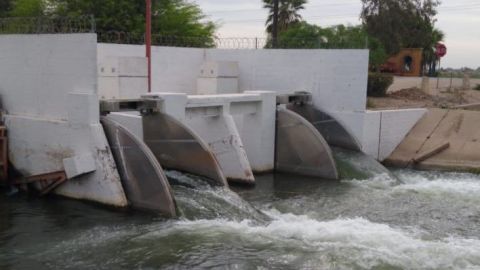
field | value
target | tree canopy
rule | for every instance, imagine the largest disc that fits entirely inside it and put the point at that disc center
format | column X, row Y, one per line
column 308, row 36
column 403, row 24
column 288, row 13
column 178, row 18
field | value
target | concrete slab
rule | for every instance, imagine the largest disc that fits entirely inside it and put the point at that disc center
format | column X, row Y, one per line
column 459, row 128
column 413, row 142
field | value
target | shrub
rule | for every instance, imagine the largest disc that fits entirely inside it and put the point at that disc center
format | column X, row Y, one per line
column 378, row 83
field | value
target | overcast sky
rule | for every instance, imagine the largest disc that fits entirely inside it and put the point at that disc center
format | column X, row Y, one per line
column 459, row 20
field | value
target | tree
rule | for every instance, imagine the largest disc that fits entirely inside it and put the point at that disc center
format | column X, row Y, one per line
column 110, row 15
column 183, row 21
column 400, row 23
column 308, row 36
column 430, row 59
column 5, row 7
column 177, row 18
column 288, row 13
column 28, row 8
column 403, row 24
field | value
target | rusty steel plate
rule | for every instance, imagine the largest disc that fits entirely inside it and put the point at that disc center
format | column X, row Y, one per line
column 143, row 179
column 301, row 149
column 177, row 147
column 331, row 129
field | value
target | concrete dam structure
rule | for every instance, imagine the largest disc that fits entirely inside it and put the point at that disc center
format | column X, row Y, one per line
column 82, row 109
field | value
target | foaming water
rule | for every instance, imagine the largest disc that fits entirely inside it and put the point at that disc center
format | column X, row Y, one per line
column 195, row 199
column 462, row 186
column 288, row 241
column 357, row 165
column 427, row 220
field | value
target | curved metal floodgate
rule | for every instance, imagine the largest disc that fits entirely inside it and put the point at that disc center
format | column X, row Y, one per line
column 177, row 147
column 332, row 130
column 143, row 179
column 301, row 149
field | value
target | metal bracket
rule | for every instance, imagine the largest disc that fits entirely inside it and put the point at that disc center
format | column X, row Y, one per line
column 144, row 106
column 46, row 182
column 299, row 98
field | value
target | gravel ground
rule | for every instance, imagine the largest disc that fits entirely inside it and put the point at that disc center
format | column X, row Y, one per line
column 415, row 98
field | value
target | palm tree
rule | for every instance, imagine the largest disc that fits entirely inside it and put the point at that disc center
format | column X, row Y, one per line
column 430, row 59
column 288, row 13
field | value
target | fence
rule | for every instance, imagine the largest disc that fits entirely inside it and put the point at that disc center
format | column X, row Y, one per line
column 86, row 24
column 47, row 25
column 183, row 41
column 227, row 43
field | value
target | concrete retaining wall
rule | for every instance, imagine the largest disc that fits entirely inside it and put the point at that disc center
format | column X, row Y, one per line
column 48, row 88
column 457, row 128
column 442, row 84
column 385, row 130
column 330, row 75
column 337, row 79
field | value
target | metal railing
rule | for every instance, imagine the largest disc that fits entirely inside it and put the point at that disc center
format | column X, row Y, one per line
column 47, row 25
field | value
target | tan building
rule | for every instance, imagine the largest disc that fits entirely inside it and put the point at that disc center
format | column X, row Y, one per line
column 408, row 62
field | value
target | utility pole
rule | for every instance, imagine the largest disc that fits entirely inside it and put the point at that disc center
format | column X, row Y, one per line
column 275, row 24
column 148, row 40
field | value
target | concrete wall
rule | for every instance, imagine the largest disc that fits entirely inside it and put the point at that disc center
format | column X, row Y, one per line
column 338, row 75
column 48, row 88
column 336, row 78
column 400, row 83
column 385, row 130
column 40, row 70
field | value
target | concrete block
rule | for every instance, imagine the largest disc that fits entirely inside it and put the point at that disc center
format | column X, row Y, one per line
column 122, row 87
column 38, row 71
column 131, row 121
column 212, row 86
column 219, row 69
column 257, row 130
column 395, row 125
column 82, row 109
column 222, row 136
column 371, row 133
column 38, row 146
column 173, row 104
column 108, row 87
column 132, row 87
column 78, row 165
column 123, row 67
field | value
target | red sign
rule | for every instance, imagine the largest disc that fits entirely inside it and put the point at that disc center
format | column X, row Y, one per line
column 440, row 50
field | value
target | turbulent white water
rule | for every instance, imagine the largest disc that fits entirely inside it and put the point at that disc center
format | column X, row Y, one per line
column 424, row 221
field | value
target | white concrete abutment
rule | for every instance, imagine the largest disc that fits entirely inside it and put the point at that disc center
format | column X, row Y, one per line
column 51, row 86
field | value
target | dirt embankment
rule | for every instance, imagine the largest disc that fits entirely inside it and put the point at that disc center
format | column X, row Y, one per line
column 415, row 98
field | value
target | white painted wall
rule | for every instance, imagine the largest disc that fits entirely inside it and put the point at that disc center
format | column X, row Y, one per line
column 385, row 130
column 48, row 88
column 37, row 72
column 336, row 78
column 330, row 75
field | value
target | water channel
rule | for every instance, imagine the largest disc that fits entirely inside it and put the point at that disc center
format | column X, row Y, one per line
column 372, row 219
